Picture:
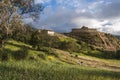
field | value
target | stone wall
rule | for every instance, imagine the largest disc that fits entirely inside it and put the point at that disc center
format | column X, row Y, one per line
column 83, row 29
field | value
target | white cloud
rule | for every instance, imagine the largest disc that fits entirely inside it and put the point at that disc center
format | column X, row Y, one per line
column 42, row 1
column 92, row 23
column 101, row 14
column 113, row 27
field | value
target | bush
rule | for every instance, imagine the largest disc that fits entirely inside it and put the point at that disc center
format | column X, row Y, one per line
column 20, row 54
column 109, row 54
column 48, row 51
column 118, row 54
column 43, row 39
column 3, row 55
column 42, row 55
column 69, row 46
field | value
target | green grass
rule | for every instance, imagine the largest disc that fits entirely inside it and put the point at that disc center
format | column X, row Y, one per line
column 14, row 50
column 46, row 70
column 38, row 65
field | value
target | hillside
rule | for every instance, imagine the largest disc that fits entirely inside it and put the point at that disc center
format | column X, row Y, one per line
column 42, row 56
column 117, row 36
column 95, row 38
column 15, row 50
column 33, row 45
column 88, row 41
column 23, row 62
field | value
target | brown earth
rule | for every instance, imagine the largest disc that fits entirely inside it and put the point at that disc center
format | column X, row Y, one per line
column 83, row 61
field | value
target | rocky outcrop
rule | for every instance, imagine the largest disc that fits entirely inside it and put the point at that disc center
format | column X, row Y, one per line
column 93, row 37
column 107, row 44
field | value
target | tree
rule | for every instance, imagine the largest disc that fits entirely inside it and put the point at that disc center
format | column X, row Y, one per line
column 11, row 12
column 29, row 7
column 39, row 39
column 9, row 19
column 8, row 16
column 23, row 35
column 70, row 46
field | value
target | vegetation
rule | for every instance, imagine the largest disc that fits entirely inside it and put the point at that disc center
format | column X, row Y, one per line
column 44, row 64
column 29, row 54
column 11, row 16
column 41, row 70
column 23, row 35
column 43, row 40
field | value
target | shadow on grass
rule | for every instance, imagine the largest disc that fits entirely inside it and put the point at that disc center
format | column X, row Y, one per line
column 6, row 54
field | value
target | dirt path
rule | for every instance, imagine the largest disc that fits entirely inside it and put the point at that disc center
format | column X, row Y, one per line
column 97, row 64
column 80, row 60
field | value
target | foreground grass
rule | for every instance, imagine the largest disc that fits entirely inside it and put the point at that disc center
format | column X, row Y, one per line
column 46, row 70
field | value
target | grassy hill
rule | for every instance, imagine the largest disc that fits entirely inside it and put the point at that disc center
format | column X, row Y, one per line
column 21, row 62
column 96, row 43
column 95, row 38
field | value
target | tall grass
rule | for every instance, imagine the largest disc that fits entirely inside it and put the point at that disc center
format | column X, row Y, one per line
column 46, row 70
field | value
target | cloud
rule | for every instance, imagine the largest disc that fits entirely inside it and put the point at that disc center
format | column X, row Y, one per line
column 42, row 1
column 112, row 27
column 89, row 22
column 64, row 15
column 59, row 20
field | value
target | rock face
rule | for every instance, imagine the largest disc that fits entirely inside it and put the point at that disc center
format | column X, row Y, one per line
column 107, row 43
column 98, row 39
column 83, row 29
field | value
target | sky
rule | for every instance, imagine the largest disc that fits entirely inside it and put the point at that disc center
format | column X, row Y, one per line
column 64, row 15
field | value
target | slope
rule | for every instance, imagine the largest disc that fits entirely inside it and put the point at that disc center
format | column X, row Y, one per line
column 43, row 66
column 95, row 38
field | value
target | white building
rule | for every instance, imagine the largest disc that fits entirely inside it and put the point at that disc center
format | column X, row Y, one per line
column 49, row 32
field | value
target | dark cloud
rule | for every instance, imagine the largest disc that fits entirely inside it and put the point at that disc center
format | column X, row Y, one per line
column 97, row 14
column 108, row 10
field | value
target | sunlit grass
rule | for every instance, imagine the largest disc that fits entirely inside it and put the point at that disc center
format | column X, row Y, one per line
column 46, row 70
column 43, row 66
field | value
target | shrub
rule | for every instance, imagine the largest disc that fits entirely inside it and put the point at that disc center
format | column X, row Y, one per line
column 3, row 55
column 38, row 40
column 42, row 55
column 109, row 54
column 76, row 56
column 118, row 54
column 48, row 51
column 20, row 54
column 69, row 46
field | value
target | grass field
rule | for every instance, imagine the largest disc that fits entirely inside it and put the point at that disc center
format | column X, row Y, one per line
column 45, row 70
column 38, row 65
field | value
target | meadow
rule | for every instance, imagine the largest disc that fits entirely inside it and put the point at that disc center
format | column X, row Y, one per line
column 38, row 65
column 52, row 70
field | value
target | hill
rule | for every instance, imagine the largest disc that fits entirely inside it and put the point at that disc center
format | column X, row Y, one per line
column 95, row 38
column 117, row 36
column 23, row 62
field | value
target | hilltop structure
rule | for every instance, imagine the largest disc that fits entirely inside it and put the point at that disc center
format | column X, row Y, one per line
column 44, row 31
column 83, row 29
column 95, row 38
